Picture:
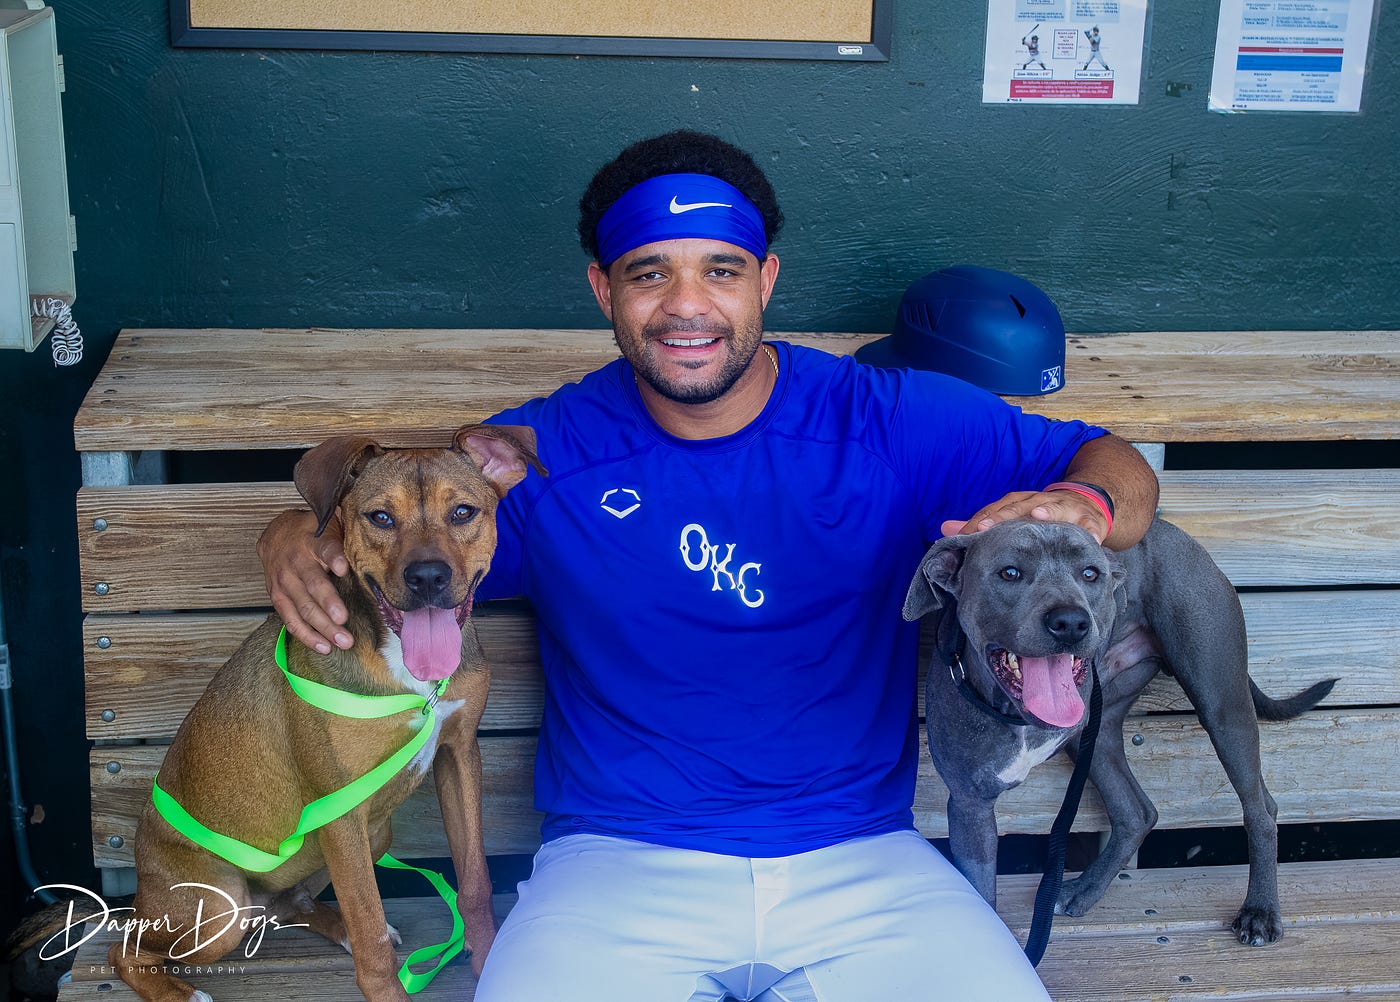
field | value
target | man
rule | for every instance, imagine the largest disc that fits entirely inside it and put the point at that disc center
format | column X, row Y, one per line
column 718, row 559
column 1094, row 53
column 1032, row 51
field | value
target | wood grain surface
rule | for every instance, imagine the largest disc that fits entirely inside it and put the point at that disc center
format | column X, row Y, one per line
column 192, row 546
column 1323, row 766
column 290, row 389
column 146, row 671
column 1163, row 929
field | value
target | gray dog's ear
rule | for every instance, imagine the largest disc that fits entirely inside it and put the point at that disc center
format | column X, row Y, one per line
column 937, row 576
column 1120, row 583
column 325, row 473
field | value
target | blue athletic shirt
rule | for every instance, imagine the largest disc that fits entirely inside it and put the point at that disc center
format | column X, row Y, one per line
column 725, row 662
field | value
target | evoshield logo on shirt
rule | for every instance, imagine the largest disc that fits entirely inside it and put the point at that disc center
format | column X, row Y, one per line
column 700, row 554
column 616, row 502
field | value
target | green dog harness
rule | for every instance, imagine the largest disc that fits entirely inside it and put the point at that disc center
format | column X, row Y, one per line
column 336, row 804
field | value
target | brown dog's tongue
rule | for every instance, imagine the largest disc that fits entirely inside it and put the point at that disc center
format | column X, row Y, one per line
column 1048, row 690
column 432, row 643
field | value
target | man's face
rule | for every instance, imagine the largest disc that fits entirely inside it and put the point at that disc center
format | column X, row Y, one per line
column 688, row 314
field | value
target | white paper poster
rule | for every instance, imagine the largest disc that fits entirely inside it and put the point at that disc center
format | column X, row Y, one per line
column 1064, row 51
column 1290, row 55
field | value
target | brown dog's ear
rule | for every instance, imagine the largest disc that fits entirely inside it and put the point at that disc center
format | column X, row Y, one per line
column 937, row 577
column 325, row 473
column 501, row 450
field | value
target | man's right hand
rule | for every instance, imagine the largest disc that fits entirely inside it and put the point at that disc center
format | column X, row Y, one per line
column 297, row 565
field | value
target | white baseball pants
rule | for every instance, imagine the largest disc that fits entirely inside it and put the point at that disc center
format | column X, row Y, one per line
column 887, row 917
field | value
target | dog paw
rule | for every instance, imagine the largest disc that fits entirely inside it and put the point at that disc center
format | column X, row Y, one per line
column 393, row 934
column 1076, row 899
column 1258, row 926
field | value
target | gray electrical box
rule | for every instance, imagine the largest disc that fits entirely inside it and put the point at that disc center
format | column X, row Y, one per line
column 37, row 235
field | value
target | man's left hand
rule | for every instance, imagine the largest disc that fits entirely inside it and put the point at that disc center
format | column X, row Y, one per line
column 1048, row 506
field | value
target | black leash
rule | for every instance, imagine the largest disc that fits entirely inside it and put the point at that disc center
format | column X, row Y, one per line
column 1043, row 915
column 1049, row 891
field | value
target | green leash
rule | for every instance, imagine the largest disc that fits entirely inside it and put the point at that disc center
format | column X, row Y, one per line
column 337, row 803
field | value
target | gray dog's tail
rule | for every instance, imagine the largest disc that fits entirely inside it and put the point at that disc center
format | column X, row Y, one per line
column 1268, row 708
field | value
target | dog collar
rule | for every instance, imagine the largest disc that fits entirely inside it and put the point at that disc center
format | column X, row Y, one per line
column 352, row 704
column 958, row 671
column 953, row 661
column 952, row 658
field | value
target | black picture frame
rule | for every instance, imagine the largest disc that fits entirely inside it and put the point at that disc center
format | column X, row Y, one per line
column 184, row 34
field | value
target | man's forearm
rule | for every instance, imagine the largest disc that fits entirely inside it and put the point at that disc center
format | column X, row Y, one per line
column 1113, row 464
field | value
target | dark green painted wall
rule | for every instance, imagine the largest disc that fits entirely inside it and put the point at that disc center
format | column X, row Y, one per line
column 240, row 188
column 234, row 187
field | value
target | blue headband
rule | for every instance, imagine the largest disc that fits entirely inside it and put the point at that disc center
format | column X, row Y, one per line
column 680, row 206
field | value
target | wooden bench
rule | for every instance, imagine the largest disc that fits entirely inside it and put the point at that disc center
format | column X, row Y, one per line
column 171, row 584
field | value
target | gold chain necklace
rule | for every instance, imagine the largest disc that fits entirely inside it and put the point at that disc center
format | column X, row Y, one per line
column 768, row 350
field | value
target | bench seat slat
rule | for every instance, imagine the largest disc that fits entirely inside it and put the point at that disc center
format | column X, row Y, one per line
column 1323, row 955
column 289, row 950
column 241, row 389
column 1331, row 960
column 1320, row 767
column 334, row 982
column 1291, row 527
column 191, row 546
column 1177, row 899
column 153, row 667
column 511, row 823
column 1281, row 527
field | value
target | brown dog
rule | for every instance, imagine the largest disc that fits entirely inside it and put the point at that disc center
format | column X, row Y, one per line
column 420, row 531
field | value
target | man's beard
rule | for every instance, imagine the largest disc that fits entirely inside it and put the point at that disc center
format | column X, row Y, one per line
column 742, row 349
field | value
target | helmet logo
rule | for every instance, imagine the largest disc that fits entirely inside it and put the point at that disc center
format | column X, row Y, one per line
column 1051, row 379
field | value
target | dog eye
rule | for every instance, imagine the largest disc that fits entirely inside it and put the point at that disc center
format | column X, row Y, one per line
column 1090, row 574
column 1009, row 574
column 381, row 518
column 463, row 514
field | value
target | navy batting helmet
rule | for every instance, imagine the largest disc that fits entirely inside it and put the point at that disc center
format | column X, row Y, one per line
column 990, row 328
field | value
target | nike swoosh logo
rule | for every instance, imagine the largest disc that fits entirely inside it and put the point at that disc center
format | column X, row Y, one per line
column 677, row 207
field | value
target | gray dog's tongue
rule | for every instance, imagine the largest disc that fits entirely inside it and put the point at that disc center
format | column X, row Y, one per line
column 432, row 643
column 1048, row 689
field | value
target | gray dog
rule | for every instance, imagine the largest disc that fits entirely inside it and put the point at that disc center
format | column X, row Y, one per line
column 1028, row 606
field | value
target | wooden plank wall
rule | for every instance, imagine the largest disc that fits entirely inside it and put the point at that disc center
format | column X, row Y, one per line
column 171, row 585
column 1267, row 527
column 163, row 623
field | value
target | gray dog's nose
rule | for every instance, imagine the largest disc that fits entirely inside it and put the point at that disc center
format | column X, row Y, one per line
column 1067, row 623
column 427, row 579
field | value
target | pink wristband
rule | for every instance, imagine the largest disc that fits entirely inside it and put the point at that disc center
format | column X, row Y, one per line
column 1086, row 492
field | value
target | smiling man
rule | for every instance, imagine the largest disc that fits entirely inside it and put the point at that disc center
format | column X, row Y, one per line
column 718, row 560
column 686, row 304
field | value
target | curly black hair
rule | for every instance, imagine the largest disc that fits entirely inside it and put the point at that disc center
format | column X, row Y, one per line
column 681, row 152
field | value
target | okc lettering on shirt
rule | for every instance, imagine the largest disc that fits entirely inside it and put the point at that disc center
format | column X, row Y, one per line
column 708, row 554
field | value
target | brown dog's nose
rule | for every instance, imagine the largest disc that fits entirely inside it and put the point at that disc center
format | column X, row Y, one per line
column 1068, row 624
column 428, row 580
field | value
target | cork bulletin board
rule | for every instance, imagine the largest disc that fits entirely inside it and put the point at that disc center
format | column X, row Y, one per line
column 852, row 30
